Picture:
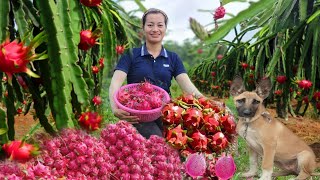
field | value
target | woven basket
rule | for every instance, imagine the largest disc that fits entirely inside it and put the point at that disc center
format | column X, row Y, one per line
column 144, row 115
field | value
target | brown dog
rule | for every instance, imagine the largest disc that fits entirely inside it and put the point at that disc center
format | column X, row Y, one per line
column 268, row 137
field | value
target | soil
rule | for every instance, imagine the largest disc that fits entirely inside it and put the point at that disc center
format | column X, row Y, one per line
column 305, row 127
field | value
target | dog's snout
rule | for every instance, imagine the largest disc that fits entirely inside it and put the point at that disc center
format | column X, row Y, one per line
column 247, row 112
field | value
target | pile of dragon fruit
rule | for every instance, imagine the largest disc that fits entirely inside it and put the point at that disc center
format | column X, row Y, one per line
column 141, row 97
column 119, row 153
column 199, row 125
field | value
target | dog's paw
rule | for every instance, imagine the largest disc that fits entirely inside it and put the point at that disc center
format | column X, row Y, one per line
column 266, row 175
column 248, row 174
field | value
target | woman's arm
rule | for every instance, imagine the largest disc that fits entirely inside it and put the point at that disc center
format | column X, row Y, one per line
column 186, row 85
column 116, row 82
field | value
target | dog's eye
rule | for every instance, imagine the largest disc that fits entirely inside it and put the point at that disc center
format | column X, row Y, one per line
column 255, row 102
column 240, row 101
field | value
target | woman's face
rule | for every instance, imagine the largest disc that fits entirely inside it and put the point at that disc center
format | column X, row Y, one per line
column 154, row 28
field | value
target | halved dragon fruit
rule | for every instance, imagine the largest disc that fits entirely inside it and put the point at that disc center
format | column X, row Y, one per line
column 225, row 167
column 195, row 165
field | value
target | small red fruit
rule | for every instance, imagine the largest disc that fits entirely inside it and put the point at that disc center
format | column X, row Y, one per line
column 213, row 74
column 19, row 110
column 19, row 151
column 316, row 95
column 219, row 56
column 278, row 92
column 90, row 120
column 96, row 100
column 305, row 99
column 101, row 63
column 95, row 69
column 91, row 3
column 244, row 65
column 200, row 51
column 281, row 79
column 87, row 40
column 304, row 84
column 219, row 13
column 120, row 49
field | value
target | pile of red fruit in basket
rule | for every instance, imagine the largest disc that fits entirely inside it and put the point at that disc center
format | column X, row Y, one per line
column 142, row 96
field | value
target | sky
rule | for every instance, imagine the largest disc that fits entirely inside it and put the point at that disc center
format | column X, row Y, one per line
column 179, row 12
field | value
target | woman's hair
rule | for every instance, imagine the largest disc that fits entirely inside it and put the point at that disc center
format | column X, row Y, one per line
column 154, row 11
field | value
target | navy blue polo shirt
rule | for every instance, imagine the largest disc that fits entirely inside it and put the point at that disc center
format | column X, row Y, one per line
column 140, row 65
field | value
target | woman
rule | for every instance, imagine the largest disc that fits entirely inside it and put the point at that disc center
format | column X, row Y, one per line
column 151, row 62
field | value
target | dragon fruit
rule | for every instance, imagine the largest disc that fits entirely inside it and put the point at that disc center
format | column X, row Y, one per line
column 141, row 97
column 91, row 3
column 73, row 154
column 199, row 141
column 219, row 13
column 96, row 100
column 198, row 125
column 172, row 113
column 19, row 151
column 11, row 170
column 128, row 152
column 90, row 120
column 192, row 118
column 177, row 137
column 164, row 159
column 14, row 58
column 120, row 49
column 195, row 165
column 225, row 167
column 304, row 84
column 87, row 40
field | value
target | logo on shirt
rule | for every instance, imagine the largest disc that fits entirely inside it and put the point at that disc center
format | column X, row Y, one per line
column 165, row 65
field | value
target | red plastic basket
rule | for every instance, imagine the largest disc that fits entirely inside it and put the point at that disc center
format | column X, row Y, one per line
column 144, row 115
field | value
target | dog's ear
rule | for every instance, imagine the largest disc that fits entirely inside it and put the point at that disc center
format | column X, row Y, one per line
column 237, row 86
column 264, row 87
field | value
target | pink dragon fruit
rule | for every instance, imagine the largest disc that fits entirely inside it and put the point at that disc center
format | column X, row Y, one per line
column 172, row 113
column 195, row 165
column 199, row 141
column 177, row 137
column 225, row 167
column 164, row 158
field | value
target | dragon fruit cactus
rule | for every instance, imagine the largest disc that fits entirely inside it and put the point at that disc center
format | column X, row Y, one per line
column 128, row 152
column 164, row 158
column 195, row 165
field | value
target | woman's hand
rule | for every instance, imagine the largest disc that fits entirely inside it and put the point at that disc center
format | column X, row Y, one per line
column 124, row 115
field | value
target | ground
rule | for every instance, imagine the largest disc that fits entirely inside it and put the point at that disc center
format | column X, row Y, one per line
column 305, row 127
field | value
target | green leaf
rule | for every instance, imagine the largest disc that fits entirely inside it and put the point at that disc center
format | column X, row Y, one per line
column 3, row 131
column 313, row 16
column 303, row 5
column 224, row 2
column 4, row 19
column 254, row 9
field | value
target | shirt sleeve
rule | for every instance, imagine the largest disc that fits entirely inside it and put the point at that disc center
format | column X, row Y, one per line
column 124, row 63
column 178, row 66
